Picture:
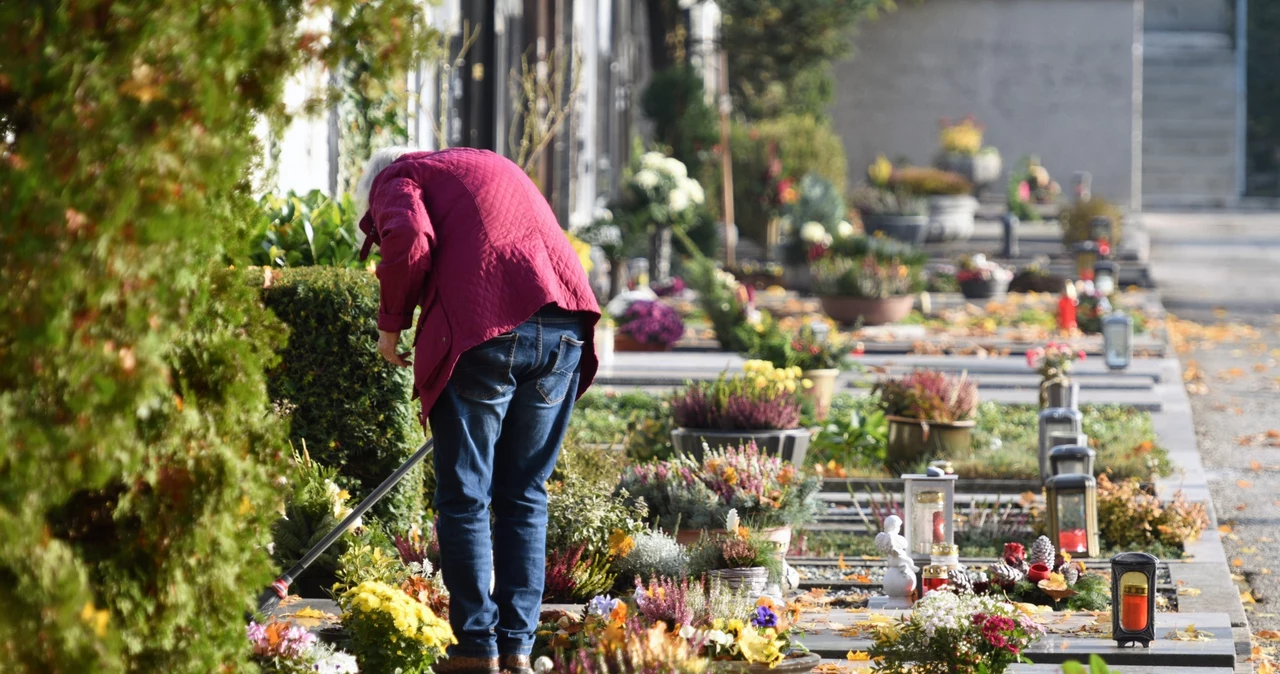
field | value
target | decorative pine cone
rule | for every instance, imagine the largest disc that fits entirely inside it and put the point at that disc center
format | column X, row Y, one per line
column 1042, row 552
column 1004, row 575
column 1071, row 573
column 959, row 580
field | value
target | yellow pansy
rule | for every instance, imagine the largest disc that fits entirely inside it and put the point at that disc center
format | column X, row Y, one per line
column 760, row 646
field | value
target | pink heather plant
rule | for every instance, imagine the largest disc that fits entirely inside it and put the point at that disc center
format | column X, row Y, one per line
column 929, row 395
column 651, row 323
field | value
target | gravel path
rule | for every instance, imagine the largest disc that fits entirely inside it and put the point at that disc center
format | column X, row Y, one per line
column 1223, row 271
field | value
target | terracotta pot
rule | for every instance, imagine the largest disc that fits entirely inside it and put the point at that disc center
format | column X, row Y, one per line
column 824, row 388
column 912, row 439
column 790, row 445
column 867, row 310
column 623, row 342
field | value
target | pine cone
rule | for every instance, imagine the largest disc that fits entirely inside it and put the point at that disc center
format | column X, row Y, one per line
column 1071, row 573
column 958, row 579
column 1042, row 552
column 1004, row 575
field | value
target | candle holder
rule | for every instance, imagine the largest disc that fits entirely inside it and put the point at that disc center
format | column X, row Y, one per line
column 934, row 577
column 1102, row 228
column 1073, row 459
column 1105, row 275
column 1073, row 514
column 1133, row 598
column 1086, row 253
column 930, row 510
column 1063, row 420
column 1117, row 340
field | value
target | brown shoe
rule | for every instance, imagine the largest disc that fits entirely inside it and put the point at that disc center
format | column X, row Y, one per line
column 466, row 665
column 515, row 664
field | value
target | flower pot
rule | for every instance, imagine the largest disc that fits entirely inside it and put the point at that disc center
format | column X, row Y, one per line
column 753, row 579
column 1060, row 393
column 867, row 310
column 624, row 342
column 604, row 341
column 981, row 169
column 824, row 388
column 911, row 229
column 983, row 289
column 912, row 439
column 951, row 217
column 790, row 445
column 796, row 663
column 778, row 535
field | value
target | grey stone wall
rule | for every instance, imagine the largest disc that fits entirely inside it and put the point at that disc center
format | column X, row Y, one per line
column 1060, row 79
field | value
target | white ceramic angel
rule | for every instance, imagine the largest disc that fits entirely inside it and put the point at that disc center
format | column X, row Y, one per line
column 900, row 569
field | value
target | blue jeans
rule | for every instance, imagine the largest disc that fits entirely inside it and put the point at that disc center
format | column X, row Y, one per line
column 498, row 427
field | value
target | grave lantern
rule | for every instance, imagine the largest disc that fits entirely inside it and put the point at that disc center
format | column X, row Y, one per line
column 1117, row 340
column 1063, row 420
column 1086, row 255
column 1073, row 513
column 1101, row 229
column 930, row 510
column 1071, row 460
column 1133, row 598
column 1105, row 273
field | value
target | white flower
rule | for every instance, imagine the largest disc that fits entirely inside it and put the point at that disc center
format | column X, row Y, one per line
column 337, row 663
column 604, row 215
column 678, row 200
column 647, row 179
column 675, row 167
column 687, row 632
column 653, row 160
column 720, row 638
column 812, row 232
column 695, row 191
column 542, row 665
column 731, row 520
column 844, row 229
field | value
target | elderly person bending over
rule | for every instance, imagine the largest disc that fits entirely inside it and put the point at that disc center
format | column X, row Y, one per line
column 502, row 350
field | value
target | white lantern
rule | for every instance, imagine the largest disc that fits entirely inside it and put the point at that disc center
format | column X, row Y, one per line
column 1104, row 277
column 930, row 512
column 1059, row 420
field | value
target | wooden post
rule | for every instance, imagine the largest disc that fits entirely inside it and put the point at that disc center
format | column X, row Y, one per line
column 726, row 165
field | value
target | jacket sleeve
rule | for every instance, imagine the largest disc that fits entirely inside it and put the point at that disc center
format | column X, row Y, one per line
column 406, row 242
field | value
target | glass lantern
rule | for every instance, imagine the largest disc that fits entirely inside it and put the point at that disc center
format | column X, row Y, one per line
column 1056, row 420
column 1073, row 514
column 1101, row 229
column 1105, row 275
column 1071, row 460
column 1086, row 255
column 1133, row 598
column 1117, row 340
column 930, row 505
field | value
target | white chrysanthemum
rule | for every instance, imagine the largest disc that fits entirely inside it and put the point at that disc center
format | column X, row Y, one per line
column 812, row 232
column 653, row 160
column 695, row 191
column 675, row 167
column 647, row 178
column 678, row 201
column 844, row 229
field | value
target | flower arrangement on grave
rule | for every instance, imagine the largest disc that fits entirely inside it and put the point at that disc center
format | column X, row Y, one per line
column 1129, row 517
column 762, row 397
column 1053, row 362
column 613, row 642
column 661, row 192
column 280, row 647
column 1030, row 184
column 690, row 493
column 930, row 396
column 727, row 303
column 870, row 268
column 651, row 324
column 954, row 633
column 736, row 549
column 1046, row 577
column 803, row 347
column 814, row 218
column 392, row 631
column 588, row 532
column 978, row 268
column 963, row 137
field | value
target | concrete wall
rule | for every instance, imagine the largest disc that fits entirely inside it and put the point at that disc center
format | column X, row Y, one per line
column 1060, row 79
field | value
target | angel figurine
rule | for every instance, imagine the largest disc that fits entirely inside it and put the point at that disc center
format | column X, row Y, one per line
column 900, row 569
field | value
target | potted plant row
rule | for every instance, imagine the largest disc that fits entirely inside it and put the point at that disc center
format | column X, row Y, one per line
column 962, row 152
column 761, row 406
column 868, row 281
column 819, row 354
column 931, row 414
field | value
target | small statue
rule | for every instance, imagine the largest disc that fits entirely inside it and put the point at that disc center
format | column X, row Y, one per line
column 900, row 570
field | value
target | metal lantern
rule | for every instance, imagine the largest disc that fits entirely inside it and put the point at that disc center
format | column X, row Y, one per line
column 930, row 512
column 1086, row 255
column 1101, row 229
column 1117, row 340
column 1105, row 275
column 1071, row 460
column 1055, row 420
column 1073, row 513
column 1133, row 598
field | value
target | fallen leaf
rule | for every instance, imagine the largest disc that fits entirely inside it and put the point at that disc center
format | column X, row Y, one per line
column 1246, row 597
column 1255, row 466
column 1270, row 635
column 1188, row 592
column 1189, row 633
column 859, row 656
column 1244, row 484
column 1259, row 367
column 1241, row 507
column 840, row 563
column 1237, row 562
column 1226, row 528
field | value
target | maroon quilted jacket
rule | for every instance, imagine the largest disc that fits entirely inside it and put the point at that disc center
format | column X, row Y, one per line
column 466, row 235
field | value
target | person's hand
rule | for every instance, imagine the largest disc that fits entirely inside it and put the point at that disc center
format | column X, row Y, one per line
column 387, row 343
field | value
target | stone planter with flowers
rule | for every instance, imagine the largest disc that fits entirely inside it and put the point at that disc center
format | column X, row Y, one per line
column 962, row 152
column 736, row 556
column 931, row 415
column 982, row 279
column 761, row 406
column 1053, row 361
column 868, row 281
column 951, row 206
column 891, row 212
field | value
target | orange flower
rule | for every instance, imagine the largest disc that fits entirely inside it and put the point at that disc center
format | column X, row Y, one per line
column 730, row 475
column 787, row 476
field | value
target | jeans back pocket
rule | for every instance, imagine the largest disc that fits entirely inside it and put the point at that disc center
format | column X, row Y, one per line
column 484, row 372
column 554, row 385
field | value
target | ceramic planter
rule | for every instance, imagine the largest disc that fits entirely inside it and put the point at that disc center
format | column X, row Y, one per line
column 984, row 289
column 909, row 228
column 824, row 388
column 791, row 444
column 867, row 310
column 951, row 217
column 912, row 439
column 981, row 169
column 624, row 342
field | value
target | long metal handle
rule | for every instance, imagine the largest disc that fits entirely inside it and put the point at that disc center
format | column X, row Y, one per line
column 280, row 587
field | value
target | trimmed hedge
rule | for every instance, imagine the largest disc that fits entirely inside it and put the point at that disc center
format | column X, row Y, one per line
column 349, row 406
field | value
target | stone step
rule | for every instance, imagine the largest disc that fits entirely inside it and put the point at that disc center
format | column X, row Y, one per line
column 1189, row 128
column 1161, row 41
column 1188, row 105
column 1187, row 147
column 1213, row 75
column 1157, row 165
column 1187, row 15
column 1220, row 186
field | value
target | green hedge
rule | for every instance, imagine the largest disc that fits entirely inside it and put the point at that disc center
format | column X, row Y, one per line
column 350, row 406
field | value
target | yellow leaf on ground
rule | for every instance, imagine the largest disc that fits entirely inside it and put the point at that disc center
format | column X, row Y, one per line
column 859, row 656
column 1188, row 592
column 1255, row 466
column 1244, row 484
column 1246, row 597
column 840, row 563
column 1237, row 562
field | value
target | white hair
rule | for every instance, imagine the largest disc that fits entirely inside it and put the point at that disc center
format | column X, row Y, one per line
column 379, row 161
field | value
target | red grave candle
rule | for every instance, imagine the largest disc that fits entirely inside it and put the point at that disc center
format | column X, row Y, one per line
column 939, row 528
column 1073, row 540
column 1133, row 608
column 1066, row 313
